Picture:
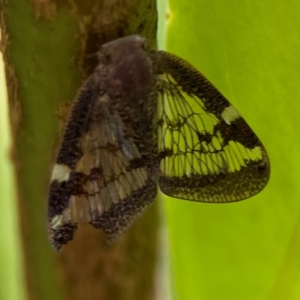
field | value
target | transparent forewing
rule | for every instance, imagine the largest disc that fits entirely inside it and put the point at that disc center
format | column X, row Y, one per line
column 208, row 152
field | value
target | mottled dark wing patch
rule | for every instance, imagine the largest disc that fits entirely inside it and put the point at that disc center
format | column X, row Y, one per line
column 105, row 183
column 208, row 152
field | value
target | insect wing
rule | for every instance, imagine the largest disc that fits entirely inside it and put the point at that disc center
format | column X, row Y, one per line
column 208, row 152
column 96, row 179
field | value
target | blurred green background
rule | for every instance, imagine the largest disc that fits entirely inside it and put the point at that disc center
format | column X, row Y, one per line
column 249, row 250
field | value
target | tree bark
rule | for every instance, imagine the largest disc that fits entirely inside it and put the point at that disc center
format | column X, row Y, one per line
column 49, row 48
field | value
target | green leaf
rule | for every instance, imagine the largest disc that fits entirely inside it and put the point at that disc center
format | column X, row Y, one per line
column 248, row 250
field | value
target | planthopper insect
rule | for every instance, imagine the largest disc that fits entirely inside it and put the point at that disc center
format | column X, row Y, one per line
column 147, row 119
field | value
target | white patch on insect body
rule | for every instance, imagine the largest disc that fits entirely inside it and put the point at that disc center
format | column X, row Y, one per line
column 60, row 173
column 61, row 219
column 56, row 222
column 230, row 114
